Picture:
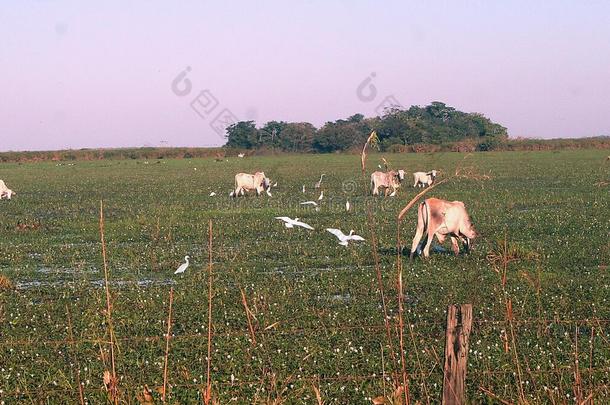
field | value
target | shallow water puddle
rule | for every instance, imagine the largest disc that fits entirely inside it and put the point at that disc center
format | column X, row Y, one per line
column 32, row 284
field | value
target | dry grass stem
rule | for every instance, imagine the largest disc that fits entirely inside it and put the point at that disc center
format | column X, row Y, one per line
column 208, row 388
column 112, row 385
column 167, row 339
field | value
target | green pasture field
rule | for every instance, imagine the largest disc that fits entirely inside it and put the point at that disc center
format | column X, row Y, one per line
column 316, row 310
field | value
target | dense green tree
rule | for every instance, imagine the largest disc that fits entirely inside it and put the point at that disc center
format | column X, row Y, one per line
column 242, row 134
column 342, row 134
column 271, row 133
column 297, row 137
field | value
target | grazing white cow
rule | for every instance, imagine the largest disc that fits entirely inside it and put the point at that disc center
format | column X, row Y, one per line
column 442, row 218
column 5, row 192
column 247, row 182
column 386, row 180
column 424, row 179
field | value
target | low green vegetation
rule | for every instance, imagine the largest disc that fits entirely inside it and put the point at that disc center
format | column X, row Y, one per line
column 315, row 309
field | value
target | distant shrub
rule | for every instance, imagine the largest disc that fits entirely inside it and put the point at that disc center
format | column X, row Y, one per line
column 490, row 144
column 397, row 148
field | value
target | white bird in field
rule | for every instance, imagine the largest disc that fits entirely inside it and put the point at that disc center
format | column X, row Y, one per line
column 315, row 204
column 347, row 206
column 241, row 155
column 274, row 184
column 183, row 266
column 321, row 196
column 303, row 188
column 212, row 194
column 291, row 223
column 379, row 166
column 393, row 193
column 343, row 238
column 319, row 183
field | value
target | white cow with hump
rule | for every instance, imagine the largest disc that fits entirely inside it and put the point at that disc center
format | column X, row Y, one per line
column 440, row 218
column 248, row 182
column 424, row 179
column 5, row 192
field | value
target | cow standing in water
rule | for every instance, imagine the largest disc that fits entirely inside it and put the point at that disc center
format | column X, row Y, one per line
column 442, row 218
column 247, row 182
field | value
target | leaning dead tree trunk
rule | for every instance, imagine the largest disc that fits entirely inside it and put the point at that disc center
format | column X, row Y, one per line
column 459, row 322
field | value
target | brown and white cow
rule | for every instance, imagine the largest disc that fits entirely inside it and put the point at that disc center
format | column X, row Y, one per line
column 442, row 218
column 247, row 182
column 386, row 180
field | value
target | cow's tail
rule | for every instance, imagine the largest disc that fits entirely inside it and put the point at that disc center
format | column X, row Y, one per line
column 422, row 227
column 424, row 212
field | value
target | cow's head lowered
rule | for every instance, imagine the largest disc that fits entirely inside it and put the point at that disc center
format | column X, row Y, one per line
column 467, row 230
column 265, row 182
column 8, row 193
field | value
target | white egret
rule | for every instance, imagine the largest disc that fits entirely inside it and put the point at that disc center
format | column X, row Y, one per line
column 319, row 183
column 291, row 223
column 241, row 155
column 347, row 206
column 183, row 266
column 303, row 188
column 212, row 194
column 315, row 204
column 321, row 196
column 343, row 238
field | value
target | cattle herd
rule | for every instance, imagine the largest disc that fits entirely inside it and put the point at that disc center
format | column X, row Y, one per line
column 435, row 217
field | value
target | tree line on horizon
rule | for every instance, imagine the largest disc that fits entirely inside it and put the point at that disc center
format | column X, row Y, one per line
column 397, row 128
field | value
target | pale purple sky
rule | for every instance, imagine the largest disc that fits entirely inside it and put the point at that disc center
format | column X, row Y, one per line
column 99, row 74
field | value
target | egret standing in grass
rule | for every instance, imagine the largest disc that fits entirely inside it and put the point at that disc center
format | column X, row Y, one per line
column 183, row 266
column 319, row 183
column 321, row 196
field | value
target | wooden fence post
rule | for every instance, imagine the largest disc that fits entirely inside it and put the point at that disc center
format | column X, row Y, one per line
column 459, row 322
